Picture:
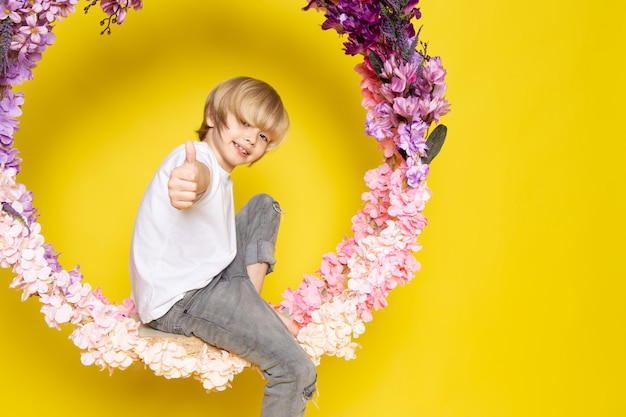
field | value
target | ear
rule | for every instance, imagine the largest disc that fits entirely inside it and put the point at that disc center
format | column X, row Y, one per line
column 209, row 120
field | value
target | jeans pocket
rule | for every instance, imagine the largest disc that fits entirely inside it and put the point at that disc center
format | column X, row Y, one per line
column 187, row 301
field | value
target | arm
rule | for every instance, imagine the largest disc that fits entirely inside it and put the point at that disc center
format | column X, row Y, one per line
column 257, row 273
column 188, row 180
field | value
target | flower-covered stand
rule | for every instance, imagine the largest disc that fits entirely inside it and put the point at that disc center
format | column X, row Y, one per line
column 404, row 95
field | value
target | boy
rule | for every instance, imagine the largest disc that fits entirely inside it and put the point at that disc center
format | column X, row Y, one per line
column 197, row 269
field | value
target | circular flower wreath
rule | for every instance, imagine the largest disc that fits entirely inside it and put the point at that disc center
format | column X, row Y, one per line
column 403, row 89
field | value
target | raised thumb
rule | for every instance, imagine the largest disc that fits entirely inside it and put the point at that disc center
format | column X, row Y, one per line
column 190, row 153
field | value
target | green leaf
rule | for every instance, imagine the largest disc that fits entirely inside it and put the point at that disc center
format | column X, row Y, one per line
column 377, row 63
column 434, row 142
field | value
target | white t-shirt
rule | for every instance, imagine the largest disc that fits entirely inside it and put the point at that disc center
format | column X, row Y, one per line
column 174, row 251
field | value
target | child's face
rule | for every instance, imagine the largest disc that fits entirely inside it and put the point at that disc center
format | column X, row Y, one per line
column 238, row 143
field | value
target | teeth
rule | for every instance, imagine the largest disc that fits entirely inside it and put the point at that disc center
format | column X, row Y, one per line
column 241, row 149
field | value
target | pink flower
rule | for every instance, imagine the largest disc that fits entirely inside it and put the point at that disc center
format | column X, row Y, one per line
column 378, row 265
column 33, row 274
column 84, row 336
column 370, row 86
column 377, row 179
column 97, row 293
column 406, row 106
column 310, row 291
column 433, row 72
column 127, row 308
column 331, row 271
column 373, row 213
column 56, row 310
column 400, row 77
column 432, row 108
column 304, row 300
column 388, row 147
column 77, row 293
column 345, row 249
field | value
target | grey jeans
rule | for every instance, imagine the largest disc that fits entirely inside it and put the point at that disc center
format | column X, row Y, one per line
column 230, row 314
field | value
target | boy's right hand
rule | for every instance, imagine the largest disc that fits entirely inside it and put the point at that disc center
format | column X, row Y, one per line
column 291, row 325
column 188, row 180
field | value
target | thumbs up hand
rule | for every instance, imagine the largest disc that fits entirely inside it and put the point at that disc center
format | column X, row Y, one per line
column 187, row 180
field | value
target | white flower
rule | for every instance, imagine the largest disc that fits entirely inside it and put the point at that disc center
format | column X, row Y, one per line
column 331, row 330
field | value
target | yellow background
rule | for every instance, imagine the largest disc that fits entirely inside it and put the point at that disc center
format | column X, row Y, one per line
column 520, row 307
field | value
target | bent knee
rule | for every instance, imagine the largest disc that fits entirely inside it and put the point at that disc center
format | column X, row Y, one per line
column 301, row 372
column 262, row 199
column 266, row 201
column 306, row 377
column 308, row 372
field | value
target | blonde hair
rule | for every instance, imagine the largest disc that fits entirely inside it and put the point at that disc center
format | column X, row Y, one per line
column 250, row 100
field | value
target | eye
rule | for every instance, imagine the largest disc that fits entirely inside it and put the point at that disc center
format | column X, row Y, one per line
column 264, row 137
column 244, row 123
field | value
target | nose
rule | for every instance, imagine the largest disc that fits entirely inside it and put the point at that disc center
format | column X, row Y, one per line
column 252, row 135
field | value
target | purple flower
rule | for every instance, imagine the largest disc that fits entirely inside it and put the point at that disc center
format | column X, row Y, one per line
column 33, row 30
column 417, row 174
column 6, row 141
column 52, row 258
column 373, row 127
column 10, row 10
column 8, row 126
column 410, row 9
column 53, row 11
column 380, row 122
column 28, row 211
column 10, row 109
column 411, row 138
column 9, row 159
column 11, row 104
column 383, row 26
column 118, row 8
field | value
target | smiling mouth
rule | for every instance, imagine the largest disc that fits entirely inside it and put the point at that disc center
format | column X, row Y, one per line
column 241, row 149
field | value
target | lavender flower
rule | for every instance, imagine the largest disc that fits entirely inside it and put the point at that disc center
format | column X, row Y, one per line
column 9, row 159
column 411, row 138
column 10, row 10
column 380, row 122
column 6, row 31
column 417, row 174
